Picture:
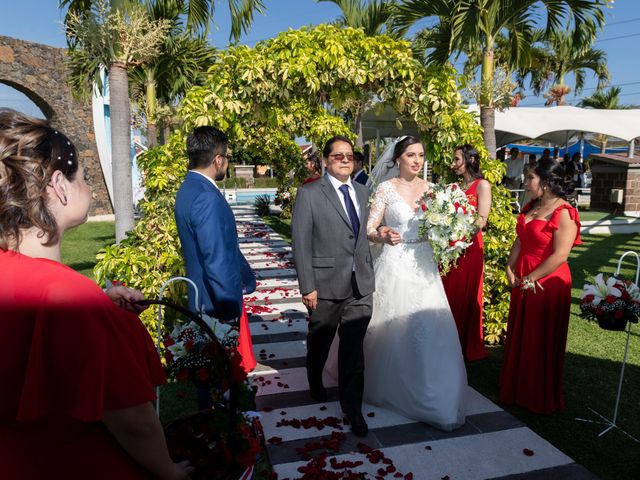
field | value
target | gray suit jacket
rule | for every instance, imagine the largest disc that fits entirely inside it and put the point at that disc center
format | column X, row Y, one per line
column 324, row 248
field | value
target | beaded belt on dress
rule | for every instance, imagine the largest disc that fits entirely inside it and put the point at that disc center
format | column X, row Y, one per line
column 413, row 240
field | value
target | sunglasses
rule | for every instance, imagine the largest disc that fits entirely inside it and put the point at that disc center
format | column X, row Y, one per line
column 341, row 156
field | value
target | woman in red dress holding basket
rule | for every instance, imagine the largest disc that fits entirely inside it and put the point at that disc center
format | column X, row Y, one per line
column 463, row 283
column 77, row 371
column 539, row 275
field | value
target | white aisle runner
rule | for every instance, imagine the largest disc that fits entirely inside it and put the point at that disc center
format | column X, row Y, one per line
column 305, row 437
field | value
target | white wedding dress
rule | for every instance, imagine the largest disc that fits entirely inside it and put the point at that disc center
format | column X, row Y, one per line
column 413, row 359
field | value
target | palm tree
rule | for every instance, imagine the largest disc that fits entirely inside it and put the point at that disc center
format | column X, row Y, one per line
column 605, row 100
column 182, row 63
column 100, row 35
column 373, row 17
column 476, row 24
column 104, row 37
column 560, row 56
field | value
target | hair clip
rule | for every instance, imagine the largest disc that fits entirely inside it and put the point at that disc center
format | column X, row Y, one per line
column 68, row 142
column 71, row 154
column 69, row 162
column 55, row 132
column 59, row 157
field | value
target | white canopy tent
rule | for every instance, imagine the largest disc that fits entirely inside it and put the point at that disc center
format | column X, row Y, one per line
column 556, row 125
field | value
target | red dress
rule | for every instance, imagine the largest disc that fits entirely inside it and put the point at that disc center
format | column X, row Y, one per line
column 69, row 354
column 538, row 322
column 463, row 286
column 245, row 345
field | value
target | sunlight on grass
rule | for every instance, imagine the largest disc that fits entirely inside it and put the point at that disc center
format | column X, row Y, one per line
column 80, row 245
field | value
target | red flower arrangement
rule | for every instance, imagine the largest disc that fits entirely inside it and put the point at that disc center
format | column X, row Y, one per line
column 611, row 301
column 225, row 440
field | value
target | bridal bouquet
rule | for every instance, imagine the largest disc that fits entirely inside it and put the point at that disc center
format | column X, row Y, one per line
column 448, row 223
column 611, row 302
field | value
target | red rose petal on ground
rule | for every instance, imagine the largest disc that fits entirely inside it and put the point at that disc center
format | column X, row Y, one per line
column 527, row 452
column 267, row 409
column 275, row 440
column 371, row 414
column 397, row 475
column 283, row 412
column 408, row 476
column 427, row 447
column 323, row 408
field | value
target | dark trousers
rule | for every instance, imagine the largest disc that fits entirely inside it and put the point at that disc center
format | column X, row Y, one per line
column 350, row 317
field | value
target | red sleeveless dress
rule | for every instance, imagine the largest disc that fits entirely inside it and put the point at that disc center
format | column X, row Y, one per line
column 538, row 322
column 463, row 286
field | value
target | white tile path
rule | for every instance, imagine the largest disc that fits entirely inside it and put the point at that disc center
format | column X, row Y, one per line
column 491, row 445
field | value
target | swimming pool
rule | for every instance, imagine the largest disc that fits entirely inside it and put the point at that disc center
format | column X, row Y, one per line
column 246, row 196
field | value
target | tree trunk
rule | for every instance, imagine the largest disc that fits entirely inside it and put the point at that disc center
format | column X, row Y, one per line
column 488, row 122
column 360, row 137
column 152, row 129
column 152, row 134
column 121, row 149
column 487, row 111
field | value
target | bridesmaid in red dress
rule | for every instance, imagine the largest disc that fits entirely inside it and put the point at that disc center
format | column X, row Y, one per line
column 77, row 372
column 539, row 275
column 463, row 283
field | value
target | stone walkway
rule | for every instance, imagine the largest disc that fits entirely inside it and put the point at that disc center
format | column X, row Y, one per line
column 491, row 445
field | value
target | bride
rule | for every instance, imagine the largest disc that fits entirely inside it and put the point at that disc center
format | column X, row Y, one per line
column 413, row 359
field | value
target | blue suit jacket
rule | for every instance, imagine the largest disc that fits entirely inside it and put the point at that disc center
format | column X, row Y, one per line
column 361, row 178
column 207, row 231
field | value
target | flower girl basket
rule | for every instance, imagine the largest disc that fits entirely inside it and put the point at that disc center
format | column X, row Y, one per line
column 611, row 424
column 180, row 426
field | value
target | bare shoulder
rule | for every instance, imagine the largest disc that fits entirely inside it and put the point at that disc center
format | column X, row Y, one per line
column 484, row 186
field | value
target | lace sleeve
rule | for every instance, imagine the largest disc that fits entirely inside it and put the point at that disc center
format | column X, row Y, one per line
column 378, row 207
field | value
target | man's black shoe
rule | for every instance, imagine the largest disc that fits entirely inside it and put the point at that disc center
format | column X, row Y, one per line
column 358, row 425
column 318, row 393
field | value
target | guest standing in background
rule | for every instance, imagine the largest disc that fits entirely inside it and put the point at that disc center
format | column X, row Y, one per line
column 359, row 174
column 539, row 276
column 313, row 167
column 78, row 373
column 515, row 169
column 463, row 283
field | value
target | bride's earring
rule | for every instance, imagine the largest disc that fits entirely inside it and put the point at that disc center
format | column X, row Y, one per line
column 397, row 165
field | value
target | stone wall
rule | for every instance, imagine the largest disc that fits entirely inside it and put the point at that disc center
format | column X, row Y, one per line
column 39, row 72
column 615, row 172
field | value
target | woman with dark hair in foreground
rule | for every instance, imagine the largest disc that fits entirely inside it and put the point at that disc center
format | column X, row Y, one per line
column 78, row 371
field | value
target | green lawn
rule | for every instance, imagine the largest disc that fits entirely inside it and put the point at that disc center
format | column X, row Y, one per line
column 80, row 245
column 591, row 371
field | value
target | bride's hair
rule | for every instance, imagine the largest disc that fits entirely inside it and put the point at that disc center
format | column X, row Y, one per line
column 402, row 146
column 471, row 159
column 30, row 152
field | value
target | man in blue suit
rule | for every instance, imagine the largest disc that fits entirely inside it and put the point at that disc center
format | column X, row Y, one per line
column 207, row 230
column 359, row 174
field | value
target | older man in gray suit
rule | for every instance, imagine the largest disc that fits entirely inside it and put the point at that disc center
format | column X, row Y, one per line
column 335, row 273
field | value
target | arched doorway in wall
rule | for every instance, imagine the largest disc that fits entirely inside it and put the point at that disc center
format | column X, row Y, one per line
column 37, row 73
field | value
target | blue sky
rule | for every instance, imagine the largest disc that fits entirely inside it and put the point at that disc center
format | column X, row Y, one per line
column 40, row 21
